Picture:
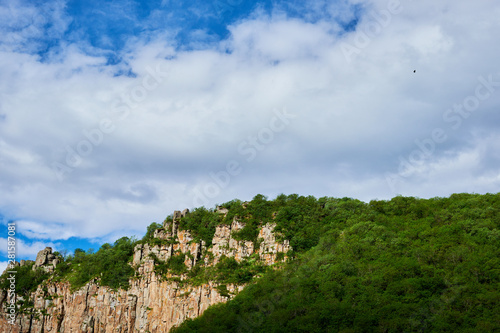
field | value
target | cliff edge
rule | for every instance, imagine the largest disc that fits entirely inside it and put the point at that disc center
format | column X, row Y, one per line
column 154, row 302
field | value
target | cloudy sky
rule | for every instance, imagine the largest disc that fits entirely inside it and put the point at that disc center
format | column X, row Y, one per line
column 115, row 113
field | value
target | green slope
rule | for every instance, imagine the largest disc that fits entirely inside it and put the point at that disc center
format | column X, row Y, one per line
column 404, row 265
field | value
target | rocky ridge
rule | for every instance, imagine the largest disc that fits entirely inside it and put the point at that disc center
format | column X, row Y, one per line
column 151, row 304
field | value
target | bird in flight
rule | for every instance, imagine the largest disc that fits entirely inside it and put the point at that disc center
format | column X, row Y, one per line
column 414, row 71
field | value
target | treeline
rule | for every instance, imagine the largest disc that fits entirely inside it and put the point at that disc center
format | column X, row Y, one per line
column 404, row 265
column 109, row 265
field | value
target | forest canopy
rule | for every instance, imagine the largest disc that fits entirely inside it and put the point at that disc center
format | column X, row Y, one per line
column 402, row 265
column 399, row 265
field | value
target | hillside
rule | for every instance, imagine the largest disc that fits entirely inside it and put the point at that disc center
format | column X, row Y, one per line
column 405, row 265
column 292, row 264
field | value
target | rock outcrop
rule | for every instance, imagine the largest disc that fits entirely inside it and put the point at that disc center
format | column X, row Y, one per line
column 270, row 248
column 46, row 259
column 152, row 303
column 17, row 264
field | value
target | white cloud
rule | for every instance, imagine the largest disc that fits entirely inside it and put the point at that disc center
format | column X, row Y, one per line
column 430, row 40
column 465, row 170
column 24, row 26
column 24, row 250
column 3, row 266
column 280, row 40
column 172, row 129
column 44, row 230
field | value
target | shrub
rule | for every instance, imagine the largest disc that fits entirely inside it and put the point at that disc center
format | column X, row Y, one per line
column 27, row 279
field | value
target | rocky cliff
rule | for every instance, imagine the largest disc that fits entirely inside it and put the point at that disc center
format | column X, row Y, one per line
column 152, row 303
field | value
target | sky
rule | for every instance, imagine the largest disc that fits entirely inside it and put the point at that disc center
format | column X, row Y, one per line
column 113, row 114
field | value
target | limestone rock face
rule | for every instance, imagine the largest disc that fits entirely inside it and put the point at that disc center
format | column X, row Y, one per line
column 17, row 264
column 41, row 257
column 224, row 243
column 222, row 210
column 270, row 247
column 46, row 259
column 151, row 304
column 177, row 214
column 161, row 234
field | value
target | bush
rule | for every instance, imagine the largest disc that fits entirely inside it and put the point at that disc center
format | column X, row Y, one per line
column 201, row 223
column 110, row 265
column 150, row 232
column 174, row 264
column 27, row 279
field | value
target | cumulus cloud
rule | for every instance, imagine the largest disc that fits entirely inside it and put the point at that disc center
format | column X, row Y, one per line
column 87, row 150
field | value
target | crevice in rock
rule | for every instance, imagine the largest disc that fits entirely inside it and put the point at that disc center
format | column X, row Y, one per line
column 60, row 319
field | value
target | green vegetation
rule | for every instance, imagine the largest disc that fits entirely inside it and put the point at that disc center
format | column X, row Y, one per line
column 175, row 264
column 27, row 279
column 404, row 265
column 201, row 223
column 228, row 271
column 148, row 237
column 109, row 266
column 258, row 211
column 222, row 289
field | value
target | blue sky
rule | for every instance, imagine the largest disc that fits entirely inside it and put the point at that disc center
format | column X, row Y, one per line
column 115, row 113
column 108, row 26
